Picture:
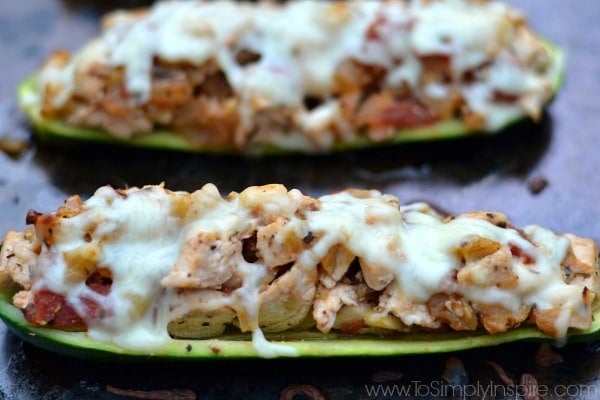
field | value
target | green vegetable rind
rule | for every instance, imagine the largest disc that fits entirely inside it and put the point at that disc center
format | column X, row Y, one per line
column 54, row 129
column 307, row 344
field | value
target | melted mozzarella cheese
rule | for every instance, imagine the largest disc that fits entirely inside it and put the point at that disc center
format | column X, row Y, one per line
column 132, row 232
column 302, row 44
column 142, row 239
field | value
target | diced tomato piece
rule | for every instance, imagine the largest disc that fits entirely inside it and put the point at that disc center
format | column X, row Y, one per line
column 67, row 319
column 506, row 98
column 93, row 309
column 352, row 327
column 45, row 306
column 518, row 252
column 372, row 32
column 437, row 65
column 99, row 283
column 403, row 113
column 51, row 309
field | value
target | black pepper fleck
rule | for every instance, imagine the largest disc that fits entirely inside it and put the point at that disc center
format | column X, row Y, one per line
column 309, row 237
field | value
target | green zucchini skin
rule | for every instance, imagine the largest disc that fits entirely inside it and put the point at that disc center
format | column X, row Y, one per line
column 55, row 130
column 307, row 344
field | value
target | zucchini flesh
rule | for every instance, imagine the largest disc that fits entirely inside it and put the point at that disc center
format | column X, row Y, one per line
column 55, row 129
column 307, row 344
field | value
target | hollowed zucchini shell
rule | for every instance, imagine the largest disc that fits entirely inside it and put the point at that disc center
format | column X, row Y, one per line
column 307, row 344
column 58, row 130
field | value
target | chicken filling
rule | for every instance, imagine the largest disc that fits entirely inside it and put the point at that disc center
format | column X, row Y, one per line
column 153, row 263
column 238, row 75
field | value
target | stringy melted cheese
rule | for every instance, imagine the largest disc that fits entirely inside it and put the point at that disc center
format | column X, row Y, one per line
column 302, row 43
column 142, row 232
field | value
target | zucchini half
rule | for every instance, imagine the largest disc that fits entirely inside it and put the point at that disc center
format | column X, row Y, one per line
column 307, row 344
column 58, row 130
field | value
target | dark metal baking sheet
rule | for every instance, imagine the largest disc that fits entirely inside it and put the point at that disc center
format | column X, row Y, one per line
column 480, row 173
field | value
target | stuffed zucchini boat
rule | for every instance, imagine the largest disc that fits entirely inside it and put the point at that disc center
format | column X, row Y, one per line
column 302, row 76
column 271, row 272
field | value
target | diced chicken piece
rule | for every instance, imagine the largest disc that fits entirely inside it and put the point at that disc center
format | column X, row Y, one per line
column 453, row 311
column 170, row 88
column 82, row 261
column 23, row 299
column 556, row 320
column 207, row 121
column 496, row 218
column 71, row 207
column 329, row 301
column 376, row 277
column 336, row 263
column 199, row 314
column 286, row 301
column 582, row 258
column 18, row 257
column 206, row 261
column 393, row 301
column 486, row 263
column 495, row 318
column 202, row 202
column 384, row 321
column 280, row 242
column 476, row 247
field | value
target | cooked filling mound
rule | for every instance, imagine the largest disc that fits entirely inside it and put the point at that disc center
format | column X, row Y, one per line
column 138, row 266
column 304, row 75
